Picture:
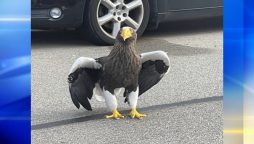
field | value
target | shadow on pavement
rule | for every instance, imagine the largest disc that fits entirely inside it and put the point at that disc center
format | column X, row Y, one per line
column 102, row 115
column 149, row 44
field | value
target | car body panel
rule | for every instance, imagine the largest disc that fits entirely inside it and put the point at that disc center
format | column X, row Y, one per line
column 188, row 9
column 160, row 10
column 179, row 5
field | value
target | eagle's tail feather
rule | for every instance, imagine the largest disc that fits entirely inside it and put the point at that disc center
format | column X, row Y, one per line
column 100, row 98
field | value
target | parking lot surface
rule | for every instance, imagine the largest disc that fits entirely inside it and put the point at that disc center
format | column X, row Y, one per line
column 186, row 107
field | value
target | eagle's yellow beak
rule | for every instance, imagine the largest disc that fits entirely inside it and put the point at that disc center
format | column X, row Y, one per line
column 126, row 33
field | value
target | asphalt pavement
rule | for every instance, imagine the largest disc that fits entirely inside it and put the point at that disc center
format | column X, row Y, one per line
column 186, row 107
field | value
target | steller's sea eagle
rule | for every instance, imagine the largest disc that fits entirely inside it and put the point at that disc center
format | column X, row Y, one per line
column 123, row 71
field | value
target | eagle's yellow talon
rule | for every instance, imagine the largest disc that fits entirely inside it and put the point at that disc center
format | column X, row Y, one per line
column 115, row 115
column 135, row 114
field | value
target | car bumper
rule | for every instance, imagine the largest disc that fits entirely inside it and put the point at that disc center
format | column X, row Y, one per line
column 72, row 14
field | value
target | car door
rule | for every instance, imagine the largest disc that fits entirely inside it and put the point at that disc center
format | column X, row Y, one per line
column 178, row 5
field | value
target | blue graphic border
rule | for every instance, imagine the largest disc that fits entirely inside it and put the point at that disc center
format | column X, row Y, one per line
column 15, row 70
column 238, row 71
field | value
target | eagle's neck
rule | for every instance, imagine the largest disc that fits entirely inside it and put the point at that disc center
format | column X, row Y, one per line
column 124, row 51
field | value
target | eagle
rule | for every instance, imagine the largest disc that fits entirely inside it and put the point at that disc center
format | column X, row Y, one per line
column 122, row 72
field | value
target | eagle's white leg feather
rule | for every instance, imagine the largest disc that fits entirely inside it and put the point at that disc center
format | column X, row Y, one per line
column 111, row 102
column 133, row 98
column 110, row 99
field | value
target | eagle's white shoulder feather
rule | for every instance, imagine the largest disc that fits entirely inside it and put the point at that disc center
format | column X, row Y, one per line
column 84, row 62
column 155, row 55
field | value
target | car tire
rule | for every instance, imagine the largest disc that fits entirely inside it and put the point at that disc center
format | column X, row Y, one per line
column 101, row 34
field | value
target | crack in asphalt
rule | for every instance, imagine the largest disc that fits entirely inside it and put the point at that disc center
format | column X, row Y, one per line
column 102, row 116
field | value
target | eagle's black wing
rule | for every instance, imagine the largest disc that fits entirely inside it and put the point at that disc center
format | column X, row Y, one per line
column 84, row 74
column 154, row 66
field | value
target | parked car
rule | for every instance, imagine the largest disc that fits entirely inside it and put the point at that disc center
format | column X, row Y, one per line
column 100, row 20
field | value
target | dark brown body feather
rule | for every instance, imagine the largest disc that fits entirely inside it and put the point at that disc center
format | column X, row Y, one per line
column 121, row 68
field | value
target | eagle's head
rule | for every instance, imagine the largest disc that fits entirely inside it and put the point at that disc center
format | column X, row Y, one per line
column 126, row 35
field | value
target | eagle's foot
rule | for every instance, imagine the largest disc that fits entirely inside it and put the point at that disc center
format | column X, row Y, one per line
column 115, row 115
column 135, row 114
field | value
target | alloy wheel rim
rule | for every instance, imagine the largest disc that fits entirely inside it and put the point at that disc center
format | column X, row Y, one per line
column 114, row 14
